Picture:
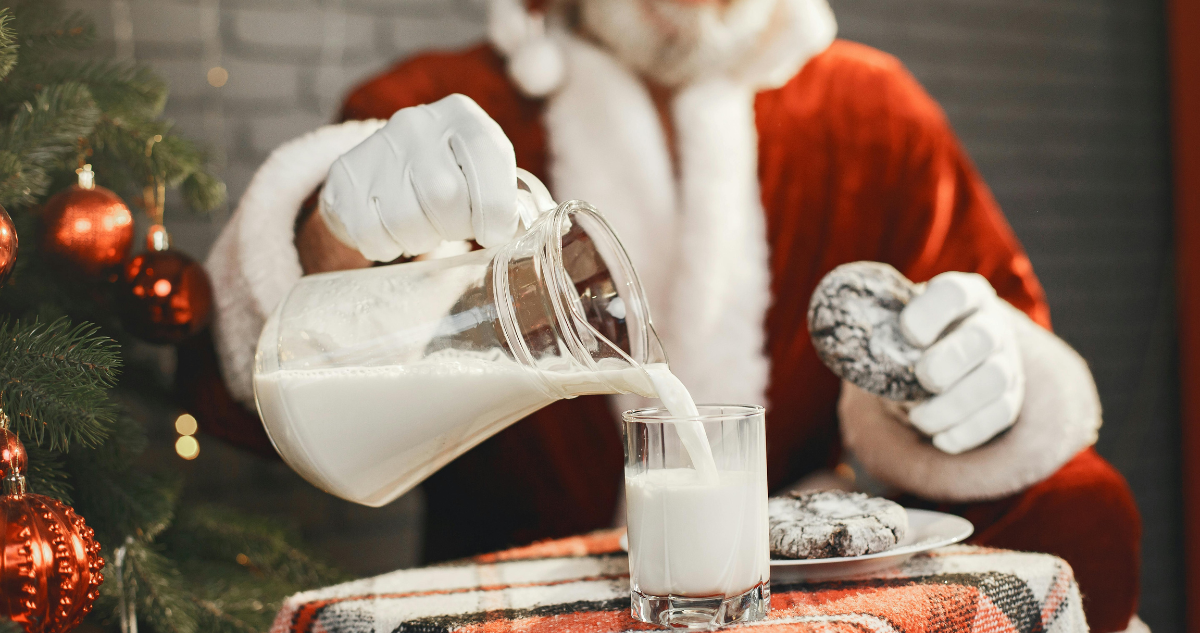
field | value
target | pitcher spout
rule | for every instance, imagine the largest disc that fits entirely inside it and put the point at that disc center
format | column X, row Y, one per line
column 570, row 301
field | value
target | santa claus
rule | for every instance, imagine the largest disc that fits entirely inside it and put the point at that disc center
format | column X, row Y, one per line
column 741, row 152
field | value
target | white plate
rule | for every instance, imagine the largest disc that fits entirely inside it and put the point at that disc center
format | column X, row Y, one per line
column 927, row 530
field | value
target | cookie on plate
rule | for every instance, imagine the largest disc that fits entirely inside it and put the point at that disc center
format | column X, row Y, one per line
column 832, row 524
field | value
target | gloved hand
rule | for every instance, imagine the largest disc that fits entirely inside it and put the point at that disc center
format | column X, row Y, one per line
column 971, row 361
column 443, row 171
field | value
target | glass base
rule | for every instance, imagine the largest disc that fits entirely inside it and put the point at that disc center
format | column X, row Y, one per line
column 684, row 612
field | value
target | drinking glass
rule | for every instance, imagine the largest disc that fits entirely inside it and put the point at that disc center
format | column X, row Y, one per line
column 698, row 550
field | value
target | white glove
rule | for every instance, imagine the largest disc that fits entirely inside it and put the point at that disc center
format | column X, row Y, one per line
column 443, row 171
column 971, row 361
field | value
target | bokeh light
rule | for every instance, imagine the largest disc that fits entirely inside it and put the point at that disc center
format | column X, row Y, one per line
column 186, row 424
column 217, row 76
column 187, row 447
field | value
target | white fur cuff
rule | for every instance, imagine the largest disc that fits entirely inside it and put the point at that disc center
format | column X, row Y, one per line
column 1060, row 417
column 254, row 261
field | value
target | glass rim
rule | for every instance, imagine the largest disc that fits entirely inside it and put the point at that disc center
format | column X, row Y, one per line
column 658, row 415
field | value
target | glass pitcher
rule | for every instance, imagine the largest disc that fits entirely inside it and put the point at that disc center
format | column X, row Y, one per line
column 368, row 381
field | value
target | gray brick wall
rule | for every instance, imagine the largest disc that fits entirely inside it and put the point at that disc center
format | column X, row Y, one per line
column 289, row 64
column 1060, row 103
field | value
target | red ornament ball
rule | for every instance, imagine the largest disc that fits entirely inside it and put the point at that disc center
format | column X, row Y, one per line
column 89, row 230
column 50, row 568
column 165, row 296
column 8, row 246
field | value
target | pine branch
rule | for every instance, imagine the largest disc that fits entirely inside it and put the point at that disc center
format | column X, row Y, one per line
column 117, row 499
column 203, row 191
column 8, row 42
column 45, row 31
column 120, row 145
column 216, row 619
column 120, row 89
column 47, row 474
column 157, row 585
column 233, row 599
column 54, row 380
column 216, row 533
column 37, row 137
column 125, row 101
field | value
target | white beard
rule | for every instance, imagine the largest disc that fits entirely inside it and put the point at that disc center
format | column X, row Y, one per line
column 675, row 43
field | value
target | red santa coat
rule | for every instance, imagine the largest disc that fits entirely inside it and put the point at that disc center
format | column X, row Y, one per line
column 855, row 162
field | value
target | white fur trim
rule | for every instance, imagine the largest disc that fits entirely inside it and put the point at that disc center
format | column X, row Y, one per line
column 254, row 261
column 607, row 147
column 535, row 63
column 803, row 29
column 715, row 325
column 537, row 67
column 1060, row 417
column 701, row 250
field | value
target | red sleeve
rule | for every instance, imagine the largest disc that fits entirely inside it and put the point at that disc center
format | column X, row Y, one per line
column 408, row 83
column 478, row 73
column 945, row 218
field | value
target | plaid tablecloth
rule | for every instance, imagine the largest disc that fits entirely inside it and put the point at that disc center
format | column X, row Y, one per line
column 582, row 584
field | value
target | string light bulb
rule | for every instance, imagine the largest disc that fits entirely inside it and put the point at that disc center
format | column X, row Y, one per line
column 187, row 446
column 186, row 424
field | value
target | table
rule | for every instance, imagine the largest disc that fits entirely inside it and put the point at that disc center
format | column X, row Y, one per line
column 582, row 584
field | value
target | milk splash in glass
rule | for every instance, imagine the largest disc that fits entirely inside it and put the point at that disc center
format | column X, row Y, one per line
column 676, row 399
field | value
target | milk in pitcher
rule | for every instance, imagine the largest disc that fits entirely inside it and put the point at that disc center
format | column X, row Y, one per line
column 350, row 431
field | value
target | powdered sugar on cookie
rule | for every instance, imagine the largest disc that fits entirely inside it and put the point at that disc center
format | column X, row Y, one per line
column 832, row 524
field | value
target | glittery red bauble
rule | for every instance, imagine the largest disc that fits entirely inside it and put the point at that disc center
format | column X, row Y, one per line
column 164, row 297
column 90, row 230
column 49, row 561
column 8, row 246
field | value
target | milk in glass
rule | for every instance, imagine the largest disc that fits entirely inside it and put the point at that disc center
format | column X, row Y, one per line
column 699, row 531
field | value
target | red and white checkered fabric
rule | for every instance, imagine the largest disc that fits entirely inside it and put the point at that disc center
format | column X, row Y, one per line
column 582, row 584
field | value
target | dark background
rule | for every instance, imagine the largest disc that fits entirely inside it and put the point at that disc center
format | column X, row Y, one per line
column 1061, row 103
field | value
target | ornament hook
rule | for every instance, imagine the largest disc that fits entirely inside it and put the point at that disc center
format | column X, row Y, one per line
column 87, row 177
column 13, row 460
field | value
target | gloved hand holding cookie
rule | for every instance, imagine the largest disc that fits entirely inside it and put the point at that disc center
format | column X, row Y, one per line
column 945, row 351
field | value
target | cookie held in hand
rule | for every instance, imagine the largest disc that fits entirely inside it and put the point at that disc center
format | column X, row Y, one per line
column 854, row 321
column 833, row 524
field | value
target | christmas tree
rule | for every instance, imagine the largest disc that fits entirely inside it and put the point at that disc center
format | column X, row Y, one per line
column 63, row 385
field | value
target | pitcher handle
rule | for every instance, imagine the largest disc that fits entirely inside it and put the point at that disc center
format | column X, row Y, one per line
column 533, row 198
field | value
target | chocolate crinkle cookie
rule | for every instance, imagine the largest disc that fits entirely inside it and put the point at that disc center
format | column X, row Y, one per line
column 854, row 321
column 833, row 524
